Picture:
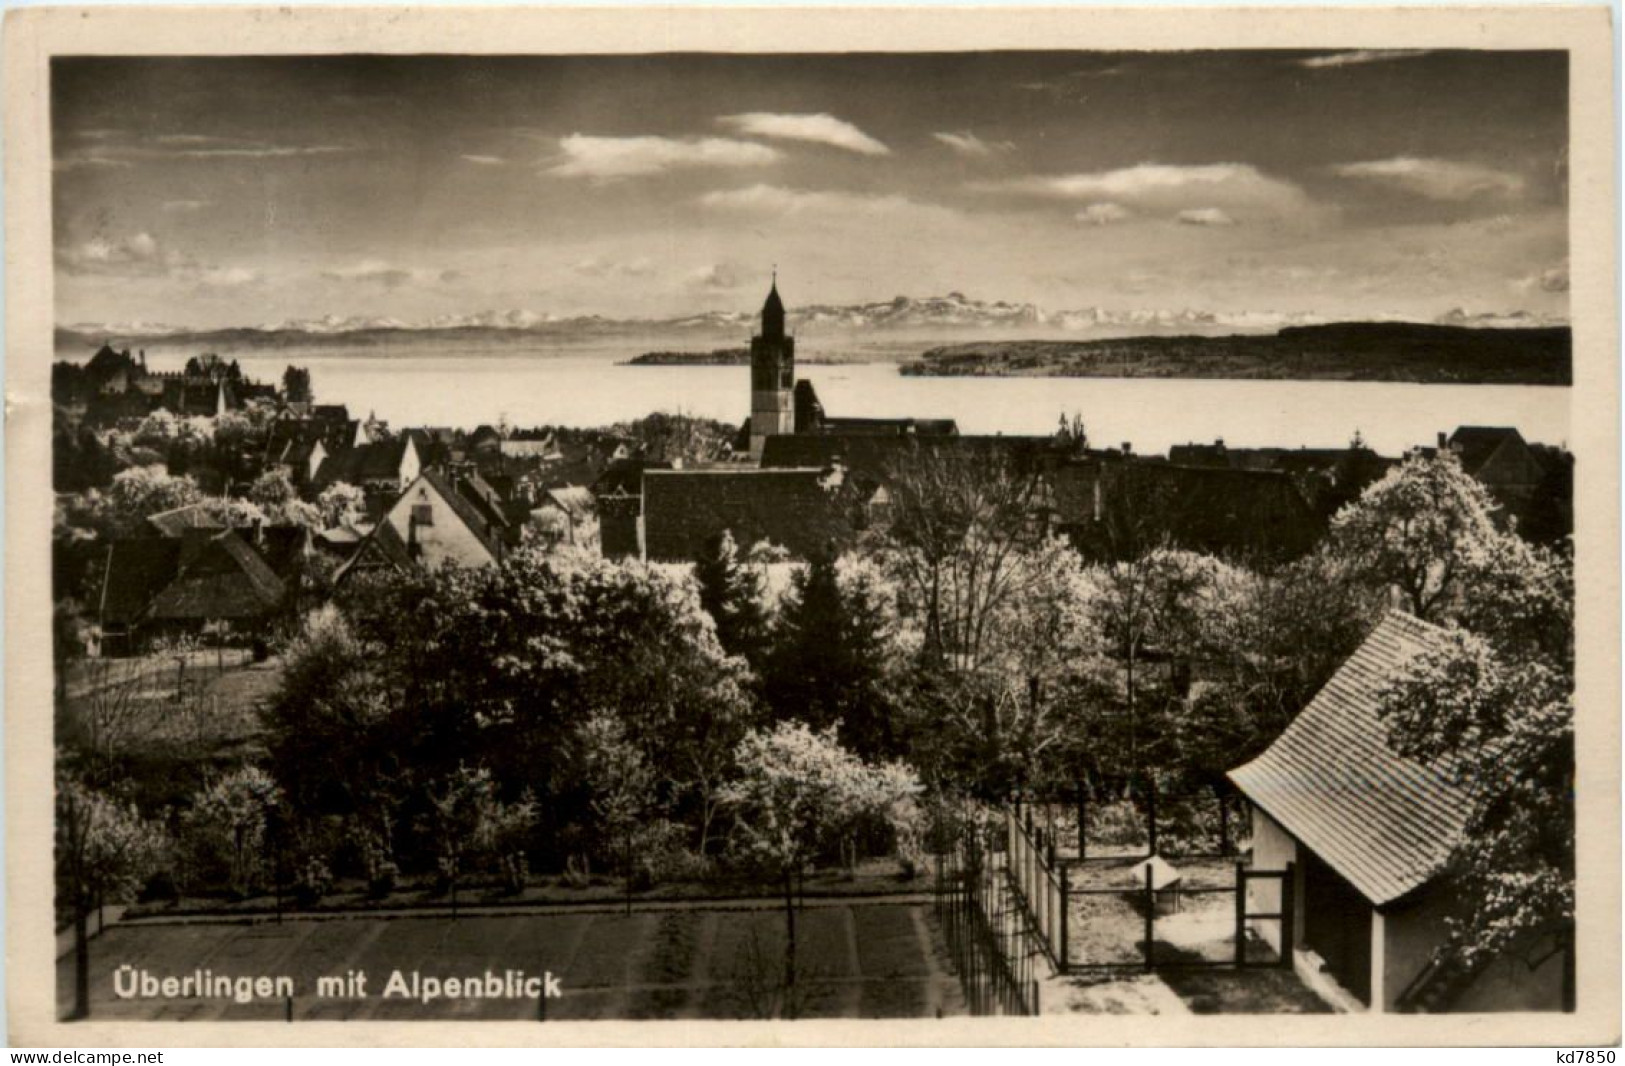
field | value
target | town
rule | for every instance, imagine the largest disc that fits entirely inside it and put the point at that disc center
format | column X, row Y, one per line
column 1191, row 723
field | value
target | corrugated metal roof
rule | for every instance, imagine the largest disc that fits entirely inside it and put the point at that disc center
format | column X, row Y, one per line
column 1385, row 823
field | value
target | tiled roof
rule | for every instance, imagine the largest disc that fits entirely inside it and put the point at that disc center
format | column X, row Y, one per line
column 136, row 570
column 1476, row 444
column 382, row 549
column 1384, row 823
column 173, row 523
column 226, row 578
column 378, row 461
column 684, row 509
column 465, row 510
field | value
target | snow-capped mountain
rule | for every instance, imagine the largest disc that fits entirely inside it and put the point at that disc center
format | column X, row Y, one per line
column 954, row 312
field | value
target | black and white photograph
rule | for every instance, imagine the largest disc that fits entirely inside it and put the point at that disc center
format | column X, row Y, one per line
column 826, row 534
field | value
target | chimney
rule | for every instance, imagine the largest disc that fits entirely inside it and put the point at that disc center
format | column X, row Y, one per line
column 1128, row 448
column 1443, row 443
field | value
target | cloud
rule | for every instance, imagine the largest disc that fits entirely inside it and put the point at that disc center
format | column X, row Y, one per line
column 599, row 267
column 968, row 144
column 143, row 256
column 774, row 200
column 215, row 277
column 818, row 129
column 713, row 278
column 1205, row 216
column 262, row 151
column 626, row 157
column 1104, row 214
column 117, row 150
column 1359, row 57
column 1158, row 187
column 90, row 159
column 1436, row 179
column 127, row 256
column 485, row 160
column 1553, row 280
column 186, row 207
column 386, row 275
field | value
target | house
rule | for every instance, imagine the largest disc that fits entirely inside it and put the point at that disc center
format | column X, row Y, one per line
column 378, row 467
column 1112, row 506
column 618, row 497
column 566, row 515
column 1532, row 483
column 177, row 521
column 429, row 525
column 803, row 511
column 298, row 449
column 178, row 584
column 1367, row 833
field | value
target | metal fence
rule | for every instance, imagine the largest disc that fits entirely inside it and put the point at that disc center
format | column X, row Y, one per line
column 990, row 939
column 1144, row 912
column 1143, row 820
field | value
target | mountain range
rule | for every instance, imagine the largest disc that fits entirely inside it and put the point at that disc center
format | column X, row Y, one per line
column 955, row 311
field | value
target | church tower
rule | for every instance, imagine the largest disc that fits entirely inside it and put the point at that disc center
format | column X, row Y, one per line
column 772, row 376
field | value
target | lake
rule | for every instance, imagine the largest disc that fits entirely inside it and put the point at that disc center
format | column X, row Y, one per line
column 581, row 385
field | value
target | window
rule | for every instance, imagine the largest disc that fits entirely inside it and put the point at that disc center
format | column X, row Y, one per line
column 422, row 514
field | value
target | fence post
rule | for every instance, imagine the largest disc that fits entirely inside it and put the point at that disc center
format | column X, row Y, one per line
column 1150, row 916
column 1083, row 821
column 1151, row 814
column 1224, row 825
column 1241, row 915
column 1066, row 891
column 1288, row 913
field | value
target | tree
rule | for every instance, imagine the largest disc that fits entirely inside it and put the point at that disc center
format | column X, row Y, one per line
column 796, row 790
column 1416, row 530
column 105, row 851
column 500, row 666
column 466, row 821
column 1494, row 710
column 828, row 662
column 326, row 725
column 622, row 786
column 953, row 523
column 226, row 833
column 273, row 493
column 341, row 503
column 140, row 492
column 731, row 593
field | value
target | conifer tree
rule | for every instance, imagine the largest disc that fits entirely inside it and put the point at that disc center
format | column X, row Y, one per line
column 731, row 593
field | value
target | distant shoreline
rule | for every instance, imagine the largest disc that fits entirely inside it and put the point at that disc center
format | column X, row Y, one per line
column 1382, row 352
column 726, row 357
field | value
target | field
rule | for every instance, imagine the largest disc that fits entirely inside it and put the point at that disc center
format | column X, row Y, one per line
column 867, row 960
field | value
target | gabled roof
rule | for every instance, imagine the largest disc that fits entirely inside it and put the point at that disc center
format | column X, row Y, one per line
column 135, row 572
column 382, row 549
column 684, row 509
column 624, row 477
column 175, row 522
column 1476, row 444
column 573, row 500
column 1386, row 824
column 465, row 510
column 377, row 461
column 224, row 578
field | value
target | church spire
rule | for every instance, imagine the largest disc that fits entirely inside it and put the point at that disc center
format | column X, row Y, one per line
column 773, row 311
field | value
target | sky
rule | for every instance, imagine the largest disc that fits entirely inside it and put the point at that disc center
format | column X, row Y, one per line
column 1347, row 184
